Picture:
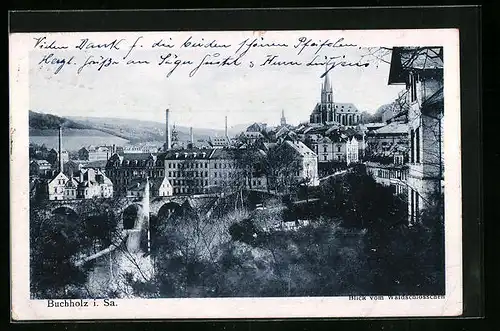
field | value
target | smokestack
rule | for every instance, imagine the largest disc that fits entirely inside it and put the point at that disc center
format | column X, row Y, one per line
column 167, row 132
column 225, row 128
column 191, row 135
column 60, row 150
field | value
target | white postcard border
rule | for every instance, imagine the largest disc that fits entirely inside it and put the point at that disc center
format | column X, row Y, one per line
column 25, row 309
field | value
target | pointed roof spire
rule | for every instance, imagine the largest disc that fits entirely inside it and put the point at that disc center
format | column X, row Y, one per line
column 326, row 84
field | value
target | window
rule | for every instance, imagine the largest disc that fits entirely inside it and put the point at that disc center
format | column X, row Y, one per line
column 338, row 148
column 413, row 87
column 417, row 148
column 324, row 148
column 412, row 146
column 324, row 157
column 215, row 165
column 417, row 207
column 206, row 173
column 169, row 174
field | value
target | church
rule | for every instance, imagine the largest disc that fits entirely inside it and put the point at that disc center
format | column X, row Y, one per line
column 333, row 113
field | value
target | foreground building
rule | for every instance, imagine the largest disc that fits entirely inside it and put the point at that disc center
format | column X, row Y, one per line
column 420, row 69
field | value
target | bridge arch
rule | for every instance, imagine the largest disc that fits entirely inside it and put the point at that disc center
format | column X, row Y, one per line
column 130, row 216
column 168, row 209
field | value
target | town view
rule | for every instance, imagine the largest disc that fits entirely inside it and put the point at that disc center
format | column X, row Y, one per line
column 347, row 202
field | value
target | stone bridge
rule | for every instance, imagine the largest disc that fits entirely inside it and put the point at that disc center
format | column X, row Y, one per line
column 117, row 206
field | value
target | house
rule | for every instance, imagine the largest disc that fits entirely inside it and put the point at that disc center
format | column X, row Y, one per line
column 160, row 187
column 94, row 153
column 40, row 168
column 73, row 167
column 352, row 151
column 56, row 188
column 53, row 156
column 383, row 141
column 331, row 149
column 308, row 162
column 93, row 183
column 420, row 70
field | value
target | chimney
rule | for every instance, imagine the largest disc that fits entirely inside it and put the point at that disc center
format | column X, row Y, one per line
column 225, row 128
column 191, row 134
column 113, row 151
column 168, row 143
column 60, row 150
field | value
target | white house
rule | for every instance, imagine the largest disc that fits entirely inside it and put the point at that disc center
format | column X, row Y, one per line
column 352, row 151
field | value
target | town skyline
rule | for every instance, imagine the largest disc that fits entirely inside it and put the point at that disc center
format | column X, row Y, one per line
column 244, row 95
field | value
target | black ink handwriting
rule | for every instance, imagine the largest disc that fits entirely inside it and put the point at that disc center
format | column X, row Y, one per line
column 87, row 44
column 100, row 63
column 202, row 43
column 51, row 59
column 43, row 44
column 304, row 42
column 246, row 45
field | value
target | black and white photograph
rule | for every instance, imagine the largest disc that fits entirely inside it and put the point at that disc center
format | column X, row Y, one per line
column 237, row 167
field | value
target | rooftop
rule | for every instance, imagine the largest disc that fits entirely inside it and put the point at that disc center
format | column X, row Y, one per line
column 392, row 128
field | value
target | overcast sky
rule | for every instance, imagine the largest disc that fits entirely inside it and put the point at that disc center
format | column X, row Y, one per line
column 244, row 94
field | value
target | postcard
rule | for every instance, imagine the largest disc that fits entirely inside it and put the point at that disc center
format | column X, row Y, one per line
column 235, row 174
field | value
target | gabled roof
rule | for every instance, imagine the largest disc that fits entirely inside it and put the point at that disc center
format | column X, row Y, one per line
column 299, row 147
column 138, row 156
column 404, row 59
column 189, row 153
column 42, row 163
column 345, row 107
column 392, row 128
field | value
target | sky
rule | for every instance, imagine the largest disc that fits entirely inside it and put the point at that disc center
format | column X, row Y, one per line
column 242, row 93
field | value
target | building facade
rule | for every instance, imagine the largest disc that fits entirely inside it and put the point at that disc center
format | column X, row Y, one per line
column 352, row 151
column 87, row 185
column 420, row 70
column 40, row 168
column 307, row 159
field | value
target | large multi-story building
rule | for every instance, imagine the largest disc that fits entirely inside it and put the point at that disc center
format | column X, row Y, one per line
column 187, row 170
column 95, row 153
column 307, row 169
column 420, row 69
column 387, row 140
column 329, row 150
column 329, row 112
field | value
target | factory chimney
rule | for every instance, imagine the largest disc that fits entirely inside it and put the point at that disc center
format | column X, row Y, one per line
column 60, row 150
column 191, row 135
column 168, row 143
column 225, row 128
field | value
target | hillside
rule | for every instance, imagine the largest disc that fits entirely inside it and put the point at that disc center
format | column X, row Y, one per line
column 133, row 130
column 40, row 121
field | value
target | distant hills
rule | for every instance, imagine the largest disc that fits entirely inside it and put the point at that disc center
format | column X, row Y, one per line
column 42, row 124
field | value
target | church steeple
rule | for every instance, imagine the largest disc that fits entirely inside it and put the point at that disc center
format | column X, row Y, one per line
column 326, row 89
column 283, row 119
column 326, row 85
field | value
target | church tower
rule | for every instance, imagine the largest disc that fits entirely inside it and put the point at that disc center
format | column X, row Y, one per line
column 283, row 119
column 327, row 105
